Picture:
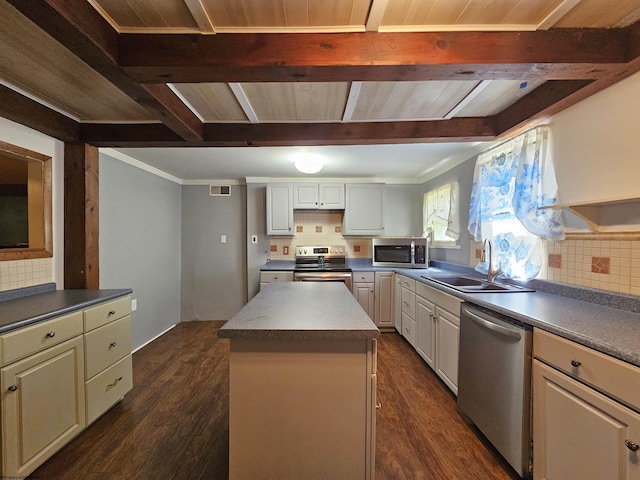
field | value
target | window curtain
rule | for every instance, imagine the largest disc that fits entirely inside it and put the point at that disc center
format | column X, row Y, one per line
column 441, row 215
column 511, row 183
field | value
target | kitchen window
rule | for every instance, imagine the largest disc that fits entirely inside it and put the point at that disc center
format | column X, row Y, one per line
column 441, row 216
column 511, row 185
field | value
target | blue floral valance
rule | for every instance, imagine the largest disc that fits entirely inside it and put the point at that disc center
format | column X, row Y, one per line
column 511, row 183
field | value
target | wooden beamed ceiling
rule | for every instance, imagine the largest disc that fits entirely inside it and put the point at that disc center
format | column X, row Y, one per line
column 574, row 63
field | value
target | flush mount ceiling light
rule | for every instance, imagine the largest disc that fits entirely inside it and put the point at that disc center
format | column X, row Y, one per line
column 309, row 163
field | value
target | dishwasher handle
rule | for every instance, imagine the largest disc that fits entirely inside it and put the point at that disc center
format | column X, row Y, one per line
column 490, row 325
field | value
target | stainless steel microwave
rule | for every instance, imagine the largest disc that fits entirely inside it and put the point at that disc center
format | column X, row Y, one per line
column 402, row 252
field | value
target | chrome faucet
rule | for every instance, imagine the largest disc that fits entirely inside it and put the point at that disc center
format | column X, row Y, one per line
column 491, row 273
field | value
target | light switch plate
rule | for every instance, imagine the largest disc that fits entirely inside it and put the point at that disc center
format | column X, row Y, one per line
column 134, row 304
column 254, row 239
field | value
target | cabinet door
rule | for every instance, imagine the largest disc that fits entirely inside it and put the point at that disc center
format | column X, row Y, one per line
column 397, row 304
column 426, row 330
column 43, row 406
column 364, row 209
column 305, row 195
column 331, row 196
column 384, row 282
column 279, row 209
column 364, row 293
column 448, row 345
column 579, row 433
column 409, row 329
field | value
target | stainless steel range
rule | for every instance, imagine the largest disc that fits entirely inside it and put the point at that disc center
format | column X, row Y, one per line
column 322, row 264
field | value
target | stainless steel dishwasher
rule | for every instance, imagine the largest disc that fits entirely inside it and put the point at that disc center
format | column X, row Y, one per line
column 494, row 382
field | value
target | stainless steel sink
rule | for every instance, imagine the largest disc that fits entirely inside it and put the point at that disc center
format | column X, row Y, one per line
column 466, row 284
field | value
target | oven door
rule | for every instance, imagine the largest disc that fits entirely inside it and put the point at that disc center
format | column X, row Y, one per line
column 323, row 277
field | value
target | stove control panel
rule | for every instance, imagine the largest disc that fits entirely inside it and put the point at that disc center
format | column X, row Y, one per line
column 314, row 251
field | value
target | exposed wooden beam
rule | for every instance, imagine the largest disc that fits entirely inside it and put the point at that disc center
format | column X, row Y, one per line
column 81, row 29
column 20, row 109
column 558, row 54
column 81, row 224
column 281, row 134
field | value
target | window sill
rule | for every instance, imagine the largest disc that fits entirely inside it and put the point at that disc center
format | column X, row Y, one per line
column 445, row 246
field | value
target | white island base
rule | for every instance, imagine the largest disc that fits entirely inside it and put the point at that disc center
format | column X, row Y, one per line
column 302, row 401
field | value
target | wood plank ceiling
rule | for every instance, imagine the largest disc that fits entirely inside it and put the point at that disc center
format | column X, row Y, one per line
column 306, row 72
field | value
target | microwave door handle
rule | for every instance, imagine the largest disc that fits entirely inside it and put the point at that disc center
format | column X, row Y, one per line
column 413, row 254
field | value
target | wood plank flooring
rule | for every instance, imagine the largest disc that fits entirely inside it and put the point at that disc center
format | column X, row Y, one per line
column 174, row 423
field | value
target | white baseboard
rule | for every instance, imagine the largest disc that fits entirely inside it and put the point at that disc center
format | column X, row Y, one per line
column 157, row 336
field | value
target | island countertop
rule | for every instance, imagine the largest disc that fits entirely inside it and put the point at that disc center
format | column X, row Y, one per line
column 301, row 310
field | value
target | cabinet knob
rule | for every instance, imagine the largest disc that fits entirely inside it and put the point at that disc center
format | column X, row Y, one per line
column 51, row 334
column 633, row 446
column 378, row 406
column 112, row 312
column 13, row 388
column 112, row 344
column 575, row 363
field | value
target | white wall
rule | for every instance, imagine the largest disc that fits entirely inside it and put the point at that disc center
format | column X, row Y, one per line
column 597, row 145
column 16, row 134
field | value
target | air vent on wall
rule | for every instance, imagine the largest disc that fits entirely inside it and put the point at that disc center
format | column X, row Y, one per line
column 220, row 190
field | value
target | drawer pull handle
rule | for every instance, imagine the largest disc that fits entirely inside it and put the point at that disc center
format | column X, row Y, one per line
column 115, row 382
column 378, row 406
column 112, row 344
column 633, row 446
column 51, row 334
column 13, row 388
column 575, row 363
column 112, row 312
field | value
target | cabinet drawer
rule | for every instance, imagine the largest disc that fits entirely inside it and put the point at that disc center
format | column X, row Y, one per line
column 442, row 299
column 106, row 345
column 366, row 277
column 109, row 386
column 409, row 329
column 268, row 277
column 27, row 341
column 408, row 283
column 611, row 376
column 409, row 303
column 106, row 312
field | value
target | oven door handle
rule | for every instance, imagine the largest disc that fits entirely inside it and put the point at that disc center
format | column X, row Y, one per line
column 311, row 277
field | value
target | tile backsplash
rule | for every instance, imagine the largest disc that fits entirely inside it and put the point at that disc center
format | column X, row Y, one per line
column 318, row 228
column 25, row 273
column 606, row 261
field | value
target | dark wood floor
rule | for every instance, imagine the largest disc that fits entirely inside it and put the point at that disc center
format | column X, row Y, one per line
column 174, row 423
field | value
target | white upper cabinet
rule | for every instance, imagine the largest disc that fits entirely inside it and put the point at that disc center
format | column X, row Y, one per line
column 323, row 196
column 279, row 209
column 364, row 209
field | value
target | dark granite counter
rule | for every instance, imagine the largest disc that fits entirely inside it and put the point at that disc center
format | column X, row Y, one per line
column 20, row 309
column 301, row 310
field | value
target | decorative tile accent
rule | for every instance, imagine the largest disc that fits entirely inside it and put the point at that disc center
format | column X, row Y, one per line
column 338, row 229
column 600, row 265
column 478, row 253
column 356, row 248
column 318, row 228
column 25, row 273
column 555, row 260
column 299, row 229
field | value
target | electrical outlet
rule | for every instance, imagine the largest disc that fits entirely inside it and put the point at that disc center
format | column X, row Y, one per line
column 223, row 239
column 254, row 239
column 285, row 250
column 134, row 304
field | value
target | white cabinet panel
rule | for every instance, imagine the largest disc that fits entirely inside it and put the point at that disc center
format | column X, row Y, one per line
column 364, row 209
column 279, row 209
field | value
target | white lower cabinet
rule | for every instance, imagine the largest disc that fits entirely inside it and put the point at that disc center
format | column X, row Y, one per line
column 363, row 288
column 397, row 303
column 275, row 276
column 43, row 406
column 384, row 305
column 431, row 327
column 579, row 430
column 47, row 380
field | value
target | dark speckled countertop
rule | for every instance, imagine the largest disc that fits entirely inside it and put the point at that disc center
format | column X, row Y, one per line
column 28, row 306
column 607, row 322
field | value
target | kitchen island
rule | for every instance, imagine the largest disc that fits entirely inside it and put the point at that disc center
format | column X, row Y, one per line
column 302, row 383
